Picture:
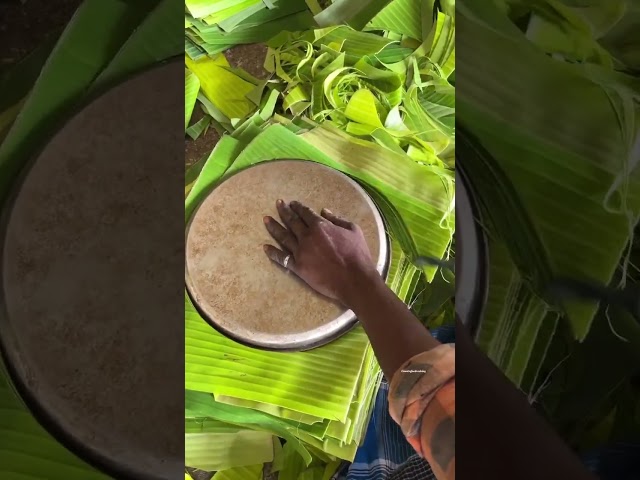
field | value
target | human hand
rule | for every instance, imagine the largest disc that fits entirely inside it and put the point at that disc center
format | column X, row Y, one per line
column 330, row 254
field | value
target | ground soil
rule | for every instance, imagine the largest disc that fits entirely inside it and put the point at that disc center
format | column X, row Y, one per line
column 25, row 25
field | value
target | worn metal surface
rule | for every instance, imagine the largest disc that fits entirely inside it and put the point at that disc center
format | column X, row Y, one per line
column 238, row 289
column 82, row 318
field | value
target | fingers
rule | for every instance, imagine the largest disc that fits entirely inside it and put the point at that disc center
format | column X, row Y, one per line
column 290, row 219
column 307, row 215
column 284, row 259
column 280, row 234
column 341, row 222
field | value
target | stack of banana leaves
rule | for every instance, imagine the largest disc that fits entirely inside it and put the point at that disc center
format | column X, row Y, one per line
column 212, row 26
column 373, row 100
column 38, row 94
column 548, row 129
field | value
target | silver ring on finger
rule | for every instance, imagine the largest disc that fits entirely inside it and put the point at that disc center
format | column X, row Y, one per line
column 285, row 262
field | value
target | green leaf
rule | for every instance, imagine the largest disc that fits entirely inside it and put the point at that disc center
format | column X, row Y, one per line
column 403, row 16
column 94, row 35
column 199, row 405
column 563, row 156
column 253, row 472
column 156, row 39
column 191, row 89
column 212, row 451
column 356, row 13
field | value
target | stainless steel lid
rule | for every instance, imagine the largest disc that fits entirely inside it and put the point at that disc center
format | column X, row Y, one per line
column 233, row 284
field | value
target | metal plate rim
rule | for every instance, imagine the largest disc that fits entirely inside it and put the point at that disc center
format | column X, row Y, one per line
column 480, row 244
column 348, row 318
column 47, row 419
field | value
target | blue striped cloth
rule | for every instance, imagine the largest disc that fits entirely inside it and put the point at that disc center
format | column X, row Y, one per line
column 385, row 453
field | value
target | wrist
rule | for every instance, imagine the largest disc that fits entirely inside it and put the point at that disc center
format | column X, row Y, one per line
column 361, row 286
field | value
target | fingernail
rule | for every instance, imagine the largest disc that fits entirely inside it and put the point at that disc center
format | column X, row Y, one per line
column 326, row 210
column 264, row 247
column 265, row 219
column 280, row 201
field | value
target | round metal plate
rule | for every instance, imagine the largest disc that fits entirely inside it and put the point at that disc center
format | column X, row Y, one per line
column 82, row 330
column 471, row 256
column 237, row 288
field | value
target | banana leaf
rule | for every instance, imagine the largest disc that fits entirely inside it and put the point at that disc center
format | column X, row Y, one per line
column 203, row 405
column 551, row 106
column 191, row 89
column 356, row 13
column 568, row 174
column 403, row 16
column 95, row 33
column 154, row 40
column 213, row 451
column 253, row 472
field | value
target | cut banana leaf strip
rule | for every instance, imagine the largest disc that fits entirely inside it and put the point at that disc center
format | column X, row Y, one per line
column 215, row 38
column 221, row 451
column 156, row 39
column 216, row 165
column 191, row 89
column 351, row 79
column 421, row 194
column 356, row 13
column 202, row 405
column 198, row 128
column 275, row 410
column 224, row 89
column 209, row 425
column 404, row 17
column 253, row 472
column 292, row 463
column 193, row 51
column 331, row 469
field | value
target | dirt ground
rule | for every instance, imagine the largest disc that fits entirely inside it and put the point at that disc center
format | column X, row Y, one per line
column 24, row 26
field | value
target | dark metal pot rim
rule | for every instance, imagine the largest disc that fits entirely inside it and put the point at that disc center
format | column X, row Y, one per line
column 347, row 319
column 472, row 255
column 37, row 407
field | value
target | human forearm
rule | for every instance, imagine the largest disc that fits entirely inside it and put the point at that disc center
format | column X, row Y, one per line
column 523, row 445
column 396, row 335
